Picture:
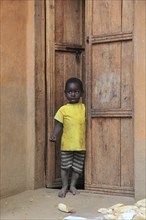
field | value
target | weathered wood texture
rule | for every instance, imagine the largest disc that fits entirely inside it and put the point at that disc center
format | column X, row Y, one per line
column 40, row 102
column 109, row 65
column 50, row 162
column 68, row 21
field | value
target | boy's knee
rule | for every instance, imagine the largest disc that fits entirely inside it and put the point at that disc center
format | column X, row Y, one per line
column 77, row 171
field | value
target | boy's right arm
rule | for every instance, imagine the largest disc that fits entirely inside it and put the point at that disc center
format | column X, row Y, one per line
column 57, row 129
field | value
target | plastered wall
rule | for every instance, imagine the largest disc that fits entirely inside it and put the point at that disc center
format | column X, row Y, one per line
column 140, row 99
column 17, row 96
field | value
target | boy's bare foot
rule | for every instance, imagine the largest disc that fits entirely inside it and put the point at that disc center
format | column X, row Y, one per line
column 73, row 190
column 62, row 192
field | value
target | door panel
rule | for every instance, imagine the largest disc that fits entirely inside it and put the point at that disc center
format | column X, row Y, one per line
column 106, row 16
column 106, row 78
column 64, row 55
column 109, row 96
column 68, row 21
column 106, row 151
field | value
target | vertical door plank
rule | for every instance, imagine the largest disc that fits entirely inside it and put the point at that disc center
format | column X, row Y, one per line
column 40, row 101
column 59, row 21
column 72, row 25
column 68, row 21
column 106, row 152
column 126, row 75
column 59, row 84
column 88, row 31
column 127, row 15
column 50, row 53
column 127, row 154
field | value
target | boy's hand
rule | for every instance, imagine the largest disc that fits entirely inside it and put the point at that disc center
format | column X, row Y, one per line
column 52, row 138
column 57, row 129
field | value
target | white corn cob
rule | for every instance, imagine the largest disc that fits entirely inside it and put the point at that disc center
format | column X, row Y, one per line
column 64, row 208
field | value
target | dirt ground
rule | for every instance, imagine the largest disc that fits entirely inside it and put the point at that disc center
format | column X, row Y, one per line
column 43, row 203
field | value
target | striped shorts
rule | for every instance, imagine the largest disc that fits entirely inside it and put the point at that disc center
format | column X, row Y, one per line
column 73, row 159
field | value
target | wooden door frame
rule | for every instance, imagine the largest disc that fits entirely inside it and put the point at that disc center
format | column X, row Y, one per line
column 40, row 94
column 50, row 83
column 41, row 131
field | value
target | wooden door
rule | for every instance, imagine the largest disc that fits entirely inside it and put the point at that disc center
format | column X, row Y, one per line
column 109, row 92
column 64, row 56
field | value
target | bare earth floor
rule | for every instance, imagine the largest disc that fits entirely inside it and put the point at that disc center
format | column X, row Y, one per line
column 43, row 203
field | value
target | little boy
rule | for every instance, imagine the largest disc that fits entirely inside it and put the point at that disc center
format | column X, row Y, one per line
column 70, row 119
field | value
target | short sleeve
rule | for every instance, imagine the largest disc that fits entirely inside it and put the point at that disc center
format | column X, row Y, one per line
column 59, row 116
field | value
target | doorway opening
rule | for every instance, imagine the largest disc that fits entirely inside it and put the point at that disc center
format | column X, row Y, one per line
column 65, row 46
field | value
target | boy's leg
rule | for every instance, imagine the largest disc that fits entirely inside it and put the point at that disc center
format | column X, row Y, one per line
column 66, row 163
column 78, row 163
column 74, row 179
column 64, row 178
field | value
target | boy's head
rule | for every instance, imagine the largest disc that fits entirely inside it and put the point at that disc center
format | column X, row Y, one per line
column 74, row 80
column 73, row 90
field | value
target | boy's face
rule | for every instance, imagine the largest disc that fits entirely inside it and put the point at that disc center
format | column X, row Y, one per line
column 73, row 93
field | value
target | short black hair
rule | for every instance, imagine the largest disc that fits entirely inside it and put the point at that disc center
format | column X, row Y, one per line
column 74, row 80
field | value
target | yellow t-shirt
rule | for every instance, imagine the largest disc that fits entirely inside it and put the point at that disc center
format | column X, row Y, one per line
column 72, row 116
